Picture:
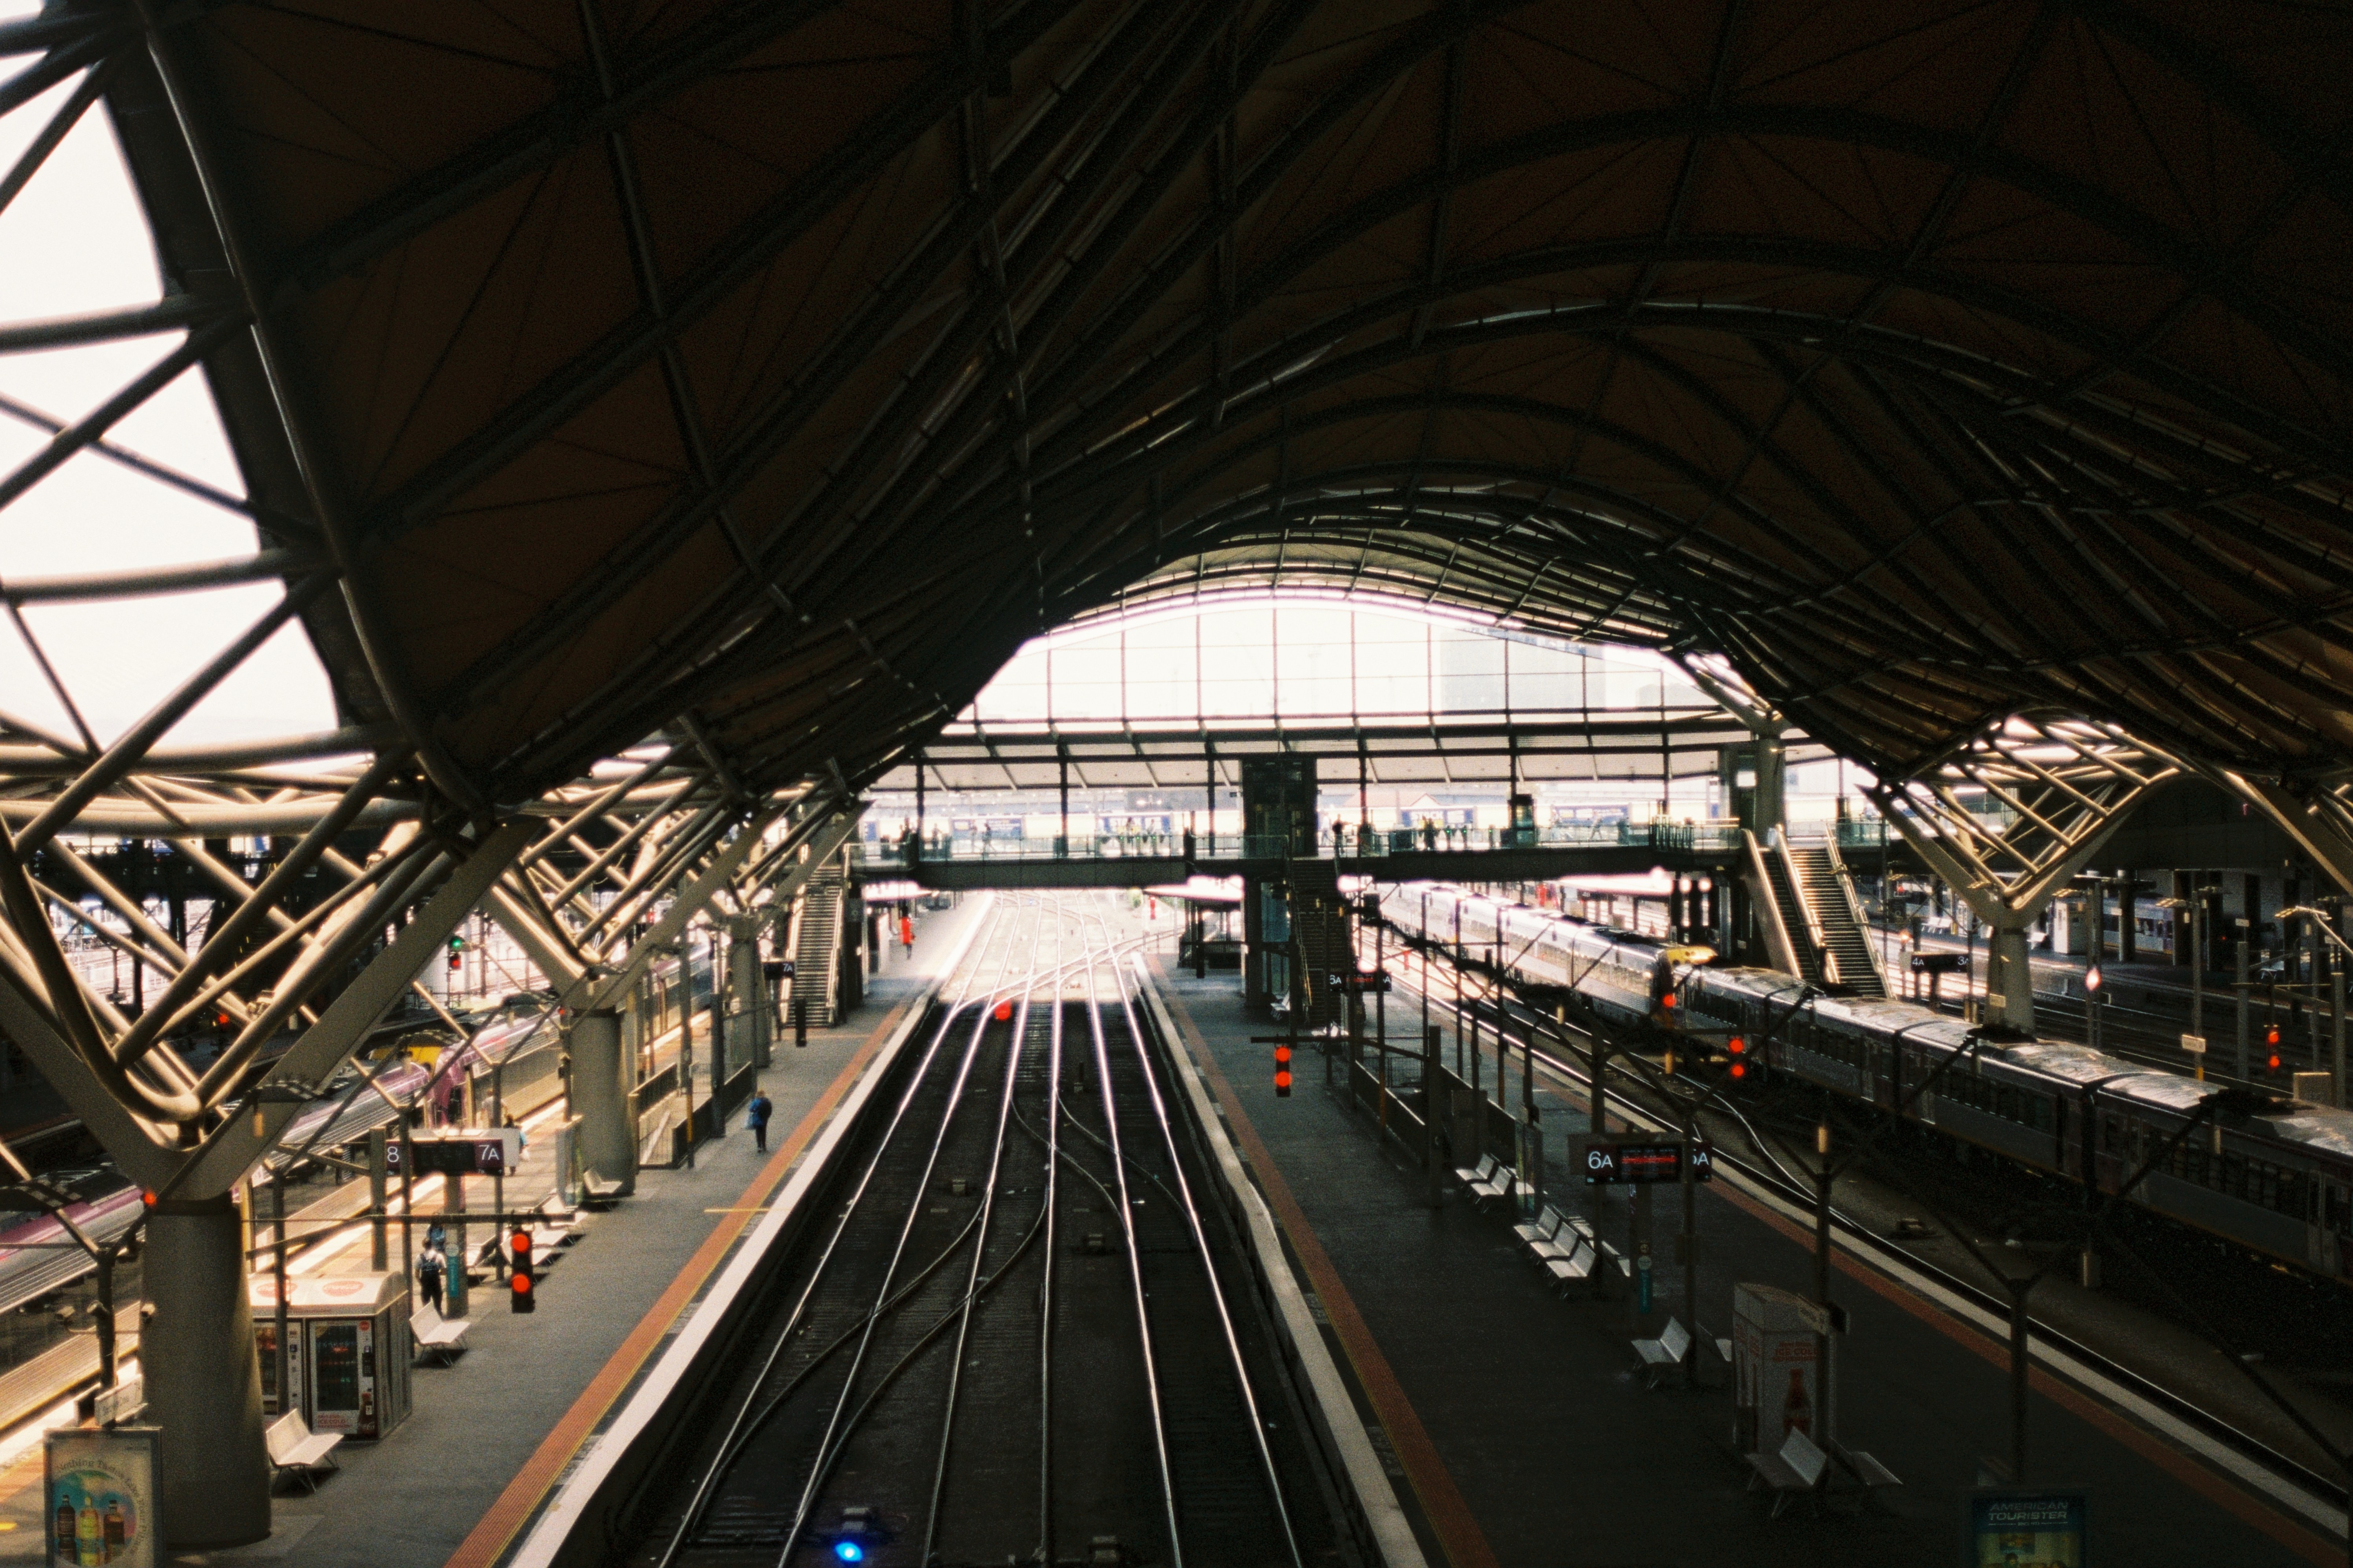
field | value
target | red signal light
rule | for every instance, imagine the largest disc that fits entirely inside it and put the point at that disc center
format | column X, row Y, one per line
column 1281, row 1071
column 1003, row 1011
column 1739, row 1069
column 520, row 1295
column 2272, row 1037
column 2274, row 1065
column 1668, row 1000
column 1736, row 1044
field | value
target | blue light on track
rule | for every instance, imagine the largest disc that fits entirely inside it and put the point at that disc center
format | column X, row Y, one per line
column 848, row 1552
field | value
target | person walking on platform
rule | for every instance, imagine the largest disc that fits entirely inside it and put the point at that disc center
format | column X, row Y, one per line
column 430, row 1269
column 907, row 932
column 755, row 1116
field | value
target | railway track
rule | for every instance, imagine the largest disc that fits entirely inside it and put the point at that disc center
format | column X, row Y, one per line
column 1727, row 1127
column 1007, row 1337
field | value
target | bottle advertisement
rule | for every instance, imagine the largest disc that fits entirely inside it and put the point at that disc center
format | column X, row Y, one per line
column 101, row 1499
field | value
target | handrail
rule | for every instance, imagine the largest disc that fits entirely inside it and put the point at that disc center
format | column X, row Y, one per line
column 1814, row 931
column 1854, row 913
column 1783, row 951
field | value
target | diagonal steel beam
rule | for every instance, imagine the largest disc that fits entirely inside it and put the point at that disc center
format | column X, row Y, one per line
column 322, row 1047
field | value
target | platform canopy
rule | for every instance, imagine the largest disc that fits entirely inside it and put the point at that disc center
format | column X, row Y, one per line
column 773, row 370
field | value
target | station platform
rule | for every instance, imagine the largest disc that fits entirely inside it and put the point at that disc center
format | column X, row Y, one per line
column 1523, row 1434
column 492, row 1432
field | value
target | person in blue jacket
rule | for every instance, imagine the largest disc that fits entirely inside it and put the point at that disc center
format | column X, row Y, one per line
column 755, row 1116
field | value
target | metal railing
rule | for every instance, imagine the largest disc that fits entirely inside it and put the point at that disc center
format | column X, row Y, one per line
column 1346, row 841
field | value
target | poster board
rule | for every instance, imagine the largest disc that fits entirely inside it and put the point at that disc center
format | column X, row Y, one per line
column 2013, row 1527
column 99, row 1498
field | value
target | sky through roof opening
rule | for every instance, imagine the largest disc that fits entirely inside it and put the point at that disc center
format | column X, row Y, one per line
column 74, row 242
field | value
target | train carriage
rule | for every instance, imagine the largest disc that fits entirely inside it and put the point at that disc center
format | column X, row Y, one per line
column 2271, row 1173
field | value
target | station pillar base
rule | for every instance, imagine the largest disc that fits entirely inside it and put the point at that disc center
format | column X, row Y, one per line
column 204, row 1384
column 2009, row 980
column 600, row 1098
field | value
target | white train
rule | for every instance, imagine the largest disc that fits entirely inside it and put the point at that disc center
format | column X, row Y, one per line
column 2271, row 1173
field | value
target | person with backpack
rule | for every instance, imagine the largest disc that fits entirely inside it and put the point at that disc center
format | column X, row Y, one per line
column 432, row 1267
column 755, row 1116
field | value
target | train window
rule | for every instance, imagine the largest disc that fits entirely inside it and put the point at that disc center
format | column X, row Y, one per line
column 2038, row 1112
column 2235, row 1174
column 2264, row 1189
column 2192, row 1166
column 2108, row 1134
column 2005, row 1104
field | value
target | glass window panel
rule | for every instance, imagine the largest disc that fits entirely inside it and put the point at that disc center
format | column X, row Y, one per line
column 1469, row 671
column 1237, row 680
column 1159, row 699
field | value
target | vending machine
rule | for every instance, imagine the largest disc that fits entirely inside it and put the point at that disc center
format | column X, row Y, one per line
column 348, row 1346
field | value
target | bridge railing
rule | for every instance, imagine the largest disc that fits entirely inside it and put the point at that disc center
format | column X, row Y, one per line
column 1346, row 841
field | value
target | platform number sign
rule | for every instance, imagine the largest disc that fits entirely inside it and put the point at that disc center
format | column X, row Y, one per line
column 492, row 1152
column 1642, row 1163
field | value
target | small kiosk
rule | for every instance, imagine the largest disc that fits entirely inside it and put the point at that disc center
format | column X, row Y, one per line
column 1776, row 1381
column 348, row 1350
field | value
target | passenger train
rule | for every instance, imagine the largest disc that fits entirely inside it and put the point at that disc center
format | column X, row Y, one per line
column 105, row 1203
column 2270, row 1173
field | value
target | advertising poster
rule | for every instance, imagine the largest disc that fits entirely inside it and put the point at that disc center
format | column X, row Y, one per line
column 2026, row 1528
column 101, row 1499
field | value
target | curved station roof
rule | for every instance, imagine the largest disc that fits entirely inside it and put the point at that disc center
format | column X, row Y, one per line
column 777, row 369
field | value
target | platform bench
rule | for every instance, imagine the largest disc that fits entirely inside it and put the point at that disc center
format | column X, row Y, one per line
column 1797, row 1468
column 556, row 1226
column 1541, row 1229
column 1575, row 1266
column 1492, row 1181
column 601, row 1190
column 1573, row 1236
column 1667, row 1350
column 295, row 1450
column 435, row 1335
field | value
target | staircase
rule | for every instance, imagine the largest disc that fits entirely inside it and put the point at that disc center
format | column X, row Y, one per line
column 817, row 947
column 1319, row 926
column 1830, row 895
column 1786, row 899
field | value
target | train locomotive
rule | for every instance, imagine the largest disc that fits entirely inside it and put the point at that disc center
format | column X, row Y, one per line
column 2270, row 1173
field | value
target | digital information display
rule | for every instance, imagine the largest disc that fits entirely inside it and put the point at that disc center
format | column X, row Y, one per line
column 1634, row 1163
column 485, row 1151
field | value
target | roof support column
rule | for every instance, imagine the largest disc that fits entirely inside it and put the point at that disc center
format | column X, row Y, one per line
column 2042, row 798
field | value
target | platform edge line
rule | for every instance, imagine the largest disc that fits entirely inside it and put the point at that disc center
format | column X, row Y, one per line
column 2272, row 1503
column 528, row 1525
column 1442, row 1503
column 1384, row 1516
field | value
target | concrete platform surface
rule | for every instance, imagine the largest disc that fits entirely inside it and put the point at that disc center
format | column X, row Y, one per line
column 441, row 1488
column 1528, row 1438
